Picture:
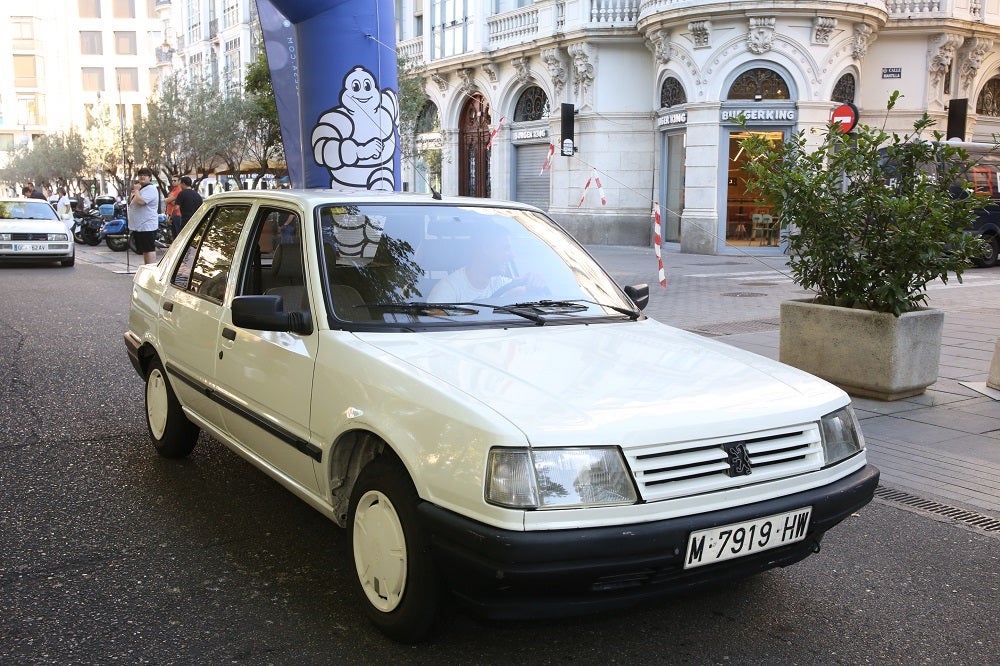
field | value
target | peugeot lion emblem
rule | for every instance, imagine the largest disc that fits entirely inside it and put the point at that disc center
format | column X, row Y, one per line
column 738, row 458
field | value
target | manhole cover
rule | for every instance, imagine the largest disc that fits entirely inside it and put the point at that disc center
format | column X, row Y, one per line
column 743, row 294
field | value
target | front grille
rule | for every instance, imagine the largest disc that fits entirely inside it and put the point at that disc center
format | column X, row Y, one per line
column 29, row 237
column 678, row 469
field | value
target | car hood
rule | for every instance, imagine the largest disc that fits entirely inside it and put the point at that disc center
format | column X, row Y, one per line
column 614, row 383
column 32, row 226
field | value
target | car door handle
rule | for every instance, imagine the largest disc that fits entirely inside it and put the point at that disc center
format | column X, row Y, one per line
column 168, row 306
column 229, row 334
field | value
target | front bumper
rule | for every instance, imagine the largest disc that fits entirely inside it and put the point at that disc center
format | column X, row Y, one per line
column 506, row 574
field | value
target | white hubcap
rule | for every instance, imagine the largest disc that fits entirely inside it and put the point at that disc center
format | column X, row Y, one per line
column 380, row 551
column 156, row 403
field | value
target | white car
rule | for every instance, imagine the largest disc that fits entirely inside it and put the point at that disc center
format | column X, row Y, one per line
column 31, row 231
column 460, row 385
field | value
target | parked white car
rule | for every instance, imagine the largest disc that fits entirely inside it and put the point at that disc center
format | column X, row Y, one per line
column 30, row 231
column 460, row 385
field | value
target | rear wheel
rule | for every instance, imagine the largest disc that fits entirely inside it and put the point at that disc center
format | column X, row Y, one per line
column 395, row 573
column 172, row 434
column 116, row 243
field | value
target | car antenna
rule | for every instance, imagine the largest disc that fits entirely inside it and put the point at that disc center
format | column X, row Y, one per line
column 435, row 194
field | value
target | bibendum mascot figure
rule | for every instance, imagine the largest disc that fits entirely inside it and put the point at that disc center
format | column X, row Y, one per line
column 356, row 141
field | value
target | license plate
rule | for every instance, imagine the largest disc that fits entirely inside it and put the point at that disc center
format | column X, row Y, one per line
column 739, row 539
column 30, row 247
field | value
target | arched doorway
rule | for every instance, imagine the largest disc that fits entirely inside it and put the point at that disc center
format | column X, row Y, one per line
column 474, row 157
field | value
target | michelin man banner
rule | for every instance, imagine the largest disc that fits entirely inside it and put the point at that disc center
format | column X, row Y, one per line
column 334, row 74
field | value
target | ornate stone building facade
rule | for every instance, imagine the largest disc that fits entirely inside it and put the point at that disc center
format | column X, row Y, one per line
column 657, row 87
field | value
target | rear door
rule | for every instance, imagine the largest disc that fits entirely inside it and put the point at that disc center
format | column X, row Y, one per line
column 192, row 308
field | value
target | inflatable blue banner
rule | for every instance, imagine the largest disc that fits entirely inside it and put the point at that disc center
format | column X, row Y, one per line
column 335, row 80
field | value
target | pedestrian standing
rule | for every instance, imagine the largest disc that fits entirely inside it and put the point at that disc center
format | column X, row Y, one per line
column 173, row 210
column 188, row 200
column 36, row 194
column 143, row 214
column 63, row 206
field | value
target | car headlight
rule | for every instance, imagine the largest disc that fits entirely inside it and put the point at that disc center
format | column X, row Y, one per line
column 558, row 478
column 842, row 436
column 58, row 237
column 4, row 237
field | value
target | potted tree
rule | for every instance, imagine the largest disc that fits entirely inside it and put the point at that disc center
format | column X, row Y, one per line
column 871, row 219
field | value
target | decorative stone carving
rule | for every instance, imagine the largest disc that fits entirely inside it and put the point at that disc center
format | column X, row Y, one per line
column 468, row 80
column 760, row 38
column 583, row 70
column 521, row 70
column 971, row 58
column 939, row 57
column 556, row 65
column 491, row 71
column 658, row 41
column 701, row 32
column 442, row 83
column 823, row 28
column 863, row 37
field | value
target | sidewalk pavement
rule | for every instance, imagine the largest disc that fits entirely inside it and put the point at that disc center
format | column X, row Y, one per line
column 939, row 451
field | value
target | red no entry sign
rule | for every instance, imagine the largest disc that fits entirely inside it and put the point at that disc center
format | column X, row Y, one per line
column 846, row 116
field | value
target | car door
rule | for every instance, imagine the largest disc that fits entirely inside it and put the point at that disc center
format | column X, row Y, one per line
column 191, row 308
column 267, row 375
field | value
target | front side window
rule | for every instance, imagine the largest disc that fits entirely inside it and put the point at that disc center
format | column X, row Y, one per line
column 275, row 263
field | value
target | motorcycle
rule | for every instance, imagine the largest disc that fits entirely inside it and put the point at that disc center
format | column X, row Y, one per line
column 114, row 230
column 87, row 227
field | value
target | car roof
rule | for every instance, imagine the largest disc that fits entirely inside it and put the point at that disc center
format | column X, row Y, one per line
column 317, row 197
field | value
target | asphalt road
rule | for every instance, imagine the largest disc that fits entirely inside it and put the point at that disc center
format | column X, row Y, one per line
column 109, row 554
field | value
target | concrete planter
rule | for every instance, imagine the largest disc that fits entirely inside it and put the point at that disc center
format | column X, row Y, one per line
column 869, row 354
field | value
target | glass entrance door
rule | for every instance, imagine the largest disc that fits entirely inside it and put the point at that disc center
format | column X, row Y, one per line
column 748, row 222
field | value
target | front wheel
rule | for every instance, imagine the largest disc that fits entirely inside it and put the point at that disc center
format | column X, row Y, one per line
column 172, row 434
column 91, row 236
column 395, row 573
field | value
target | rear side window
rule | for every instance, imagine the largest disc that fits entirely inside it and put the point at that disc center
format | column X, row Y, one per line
column 208, row 258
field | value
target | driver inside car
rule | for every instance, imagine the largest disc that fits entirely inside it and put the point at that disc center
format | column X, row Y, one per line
column 487, row 272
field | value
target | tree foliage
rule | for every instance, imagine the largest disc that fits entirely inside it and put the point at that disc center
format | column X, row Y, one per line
column 873, row 218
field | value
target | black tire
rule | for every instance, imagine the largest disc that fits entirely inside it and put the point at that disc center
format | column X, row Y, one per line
column 172, row 434
column 989, row 258
column 116, row 243
column 66, row 263
column 396, row 578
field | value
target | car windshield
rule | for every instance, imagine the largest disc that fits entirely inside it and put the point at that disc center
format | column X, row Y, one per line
column 27, row 210
column 446, row 264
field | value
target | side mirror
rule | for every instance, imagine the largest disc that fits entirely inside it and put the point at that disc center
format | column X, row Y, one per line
column 267, row 313
column 639, row 293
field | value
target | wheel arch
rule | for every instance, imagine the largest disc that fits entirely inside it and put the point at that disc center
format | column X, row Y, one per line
column 352, row 451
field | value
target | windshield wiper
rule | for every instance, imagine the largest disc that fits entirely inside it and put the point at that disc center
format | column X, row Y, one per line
column 510, row 309
column 573, row 305
column 429, row 309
